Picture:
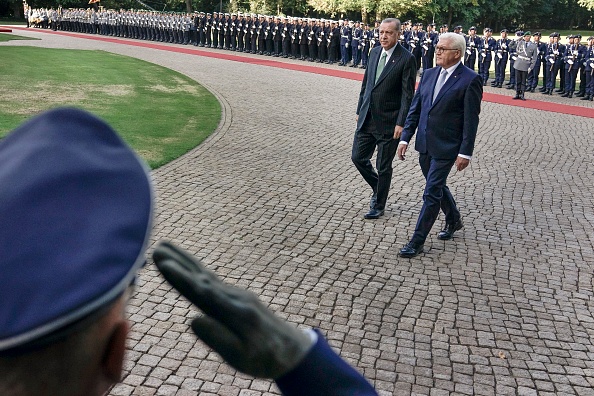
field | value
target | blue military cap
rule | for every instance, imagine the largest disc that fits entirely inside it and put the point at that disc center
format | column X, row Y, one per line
column 76, row 209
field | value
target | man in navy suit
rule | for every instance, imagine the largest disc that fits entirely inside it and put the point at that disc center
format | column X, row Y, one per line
column 384, row 101
column 445, row 112
column 68, row 336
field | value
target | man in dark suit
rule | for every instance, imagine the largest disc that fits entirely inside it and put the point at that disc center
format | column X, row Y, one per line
column 386, row 94
column 445, row 112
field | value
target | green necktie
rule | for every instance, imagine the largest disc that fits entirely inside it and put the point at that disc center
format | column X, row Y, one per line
column 380, row 66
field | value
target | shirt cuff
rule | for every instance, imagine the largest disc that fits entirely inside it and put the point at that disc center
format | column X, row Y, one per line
column 313, row 336
column 403, row 142
column 468, row 157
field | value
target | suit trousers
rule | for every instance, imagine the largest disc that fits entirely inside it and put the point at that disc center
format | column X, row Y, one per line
column 435, row 197
column 521, row 77
column 365, row 142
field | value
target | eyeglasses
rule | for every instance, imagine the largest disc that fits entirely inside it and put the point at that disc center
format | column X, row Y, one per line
column 441, row 49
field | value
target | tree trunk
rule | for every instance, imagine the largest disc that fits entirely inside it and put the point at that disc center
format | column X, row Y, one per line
column 188, row 6
column 450, row 15
column 364, row 15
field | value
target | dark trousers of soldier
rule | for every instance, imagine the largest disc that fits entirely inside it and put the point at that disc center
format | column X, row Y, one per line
column 512, row 75
column 500, row 67
column 427, row 59
column 470, row 60
column 240, row 42
column 552, row 75
column 521, row 77
column 201, row 37
column 186, row 38
column 278, row 44
column 484, row 66
column 233, row 45
column 215, row 38
column 590, row 83
column 533, row 75
column 322, row 52
column 303, row 47
column 582, row 87
column 261, row 45
column 313, row 50
column 208, row 36
column 356, row 53
column 254, row 43
column 286, row 47
column 247, row 39
column 571, row 73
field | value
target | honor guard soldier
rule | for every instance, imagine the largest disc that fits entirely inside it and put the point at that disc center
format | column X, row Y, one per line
column 486, row 47
column 375, row 39
column 366, row 44
column 554, row 62
column 277, row 36
column 582, row 72
column 334, row 50
column 512, row 59
column 209, row 21
column 303, row 38
column 472, row 44
column 589, row 69
column 321, row 43
column 540, row 60
column 501, row 58
column 286, row 37
column 262, row 35
column 572, row 58
column 215, row 29
column 269, row 36
column 295, row 32
column 254, row 29
column 345, row 39
column 414, row 43
column 356, row 44
column 526, row 53
column 232, row 32
column 428, row 41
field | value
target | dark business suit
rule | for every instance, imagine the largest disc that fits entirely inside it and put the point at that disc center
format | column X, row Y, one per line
column 446, row 127
column 381, row 107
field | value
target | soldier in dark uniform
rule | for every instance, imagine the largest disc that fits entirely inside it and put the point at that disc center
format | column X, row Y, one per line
column 472, row 44
column 589, row 69
column 428, row 41
column 222, row 30
column 262, row 34
column 241, row 30
column 312, row 45
column 486, row 47
column 201, row 29
column 345, row 40
column 286, row 37
column 545, row 65
column 215, row 29
column 295, row 37
column 254, row 29
column 533, row 75
column 269, row 36
column 512, row 59
column 582, row 73
column 572, row 58
column 414, row 42
column 208, row 30
column 356, row 38
column 365, row 45
column 334, row 38
column 375, row 39
column 554, row 59
column 232, row 32
column 277, row 36
column 320, row 35
column 501, row 58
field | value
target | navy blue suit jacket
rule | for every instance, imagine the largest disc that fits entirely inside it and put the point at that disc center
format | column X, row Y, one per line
column 324, row 373
column 446, row 127
column 388, row 100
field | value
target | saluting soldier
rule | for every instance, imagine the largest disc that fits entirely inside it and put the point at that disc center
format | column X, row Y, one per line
column 472, row 44
column 486, row 47
column 540, row 60
column 589, row 69
column 527, row 53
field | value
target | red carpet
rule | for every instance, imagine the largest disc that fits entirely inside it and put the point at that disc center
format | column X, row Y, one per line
column 338, row 72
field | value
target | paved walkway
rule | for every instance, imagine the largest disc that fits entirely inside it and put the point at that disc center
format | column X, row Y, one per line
column 273, row 203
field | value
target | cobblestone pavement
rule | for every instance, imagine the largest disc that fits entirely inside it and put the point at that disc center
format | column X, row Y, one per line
column 272, row 203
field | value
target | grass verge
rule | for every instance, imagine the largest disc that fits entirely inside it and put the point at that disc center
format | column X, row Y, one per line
column 162, row 114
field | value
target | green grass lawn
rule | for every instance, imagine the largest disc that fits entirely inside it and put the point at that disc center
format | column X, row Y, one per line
column 10, row 36
column 162, row 114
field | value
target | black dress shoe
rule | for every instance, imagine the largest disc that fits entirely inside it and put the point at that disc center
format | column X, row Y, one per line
column 580, row 95
column 374, row 214
column 410, row 250
column 565, row 95
column 448, row 232
column 517, row 96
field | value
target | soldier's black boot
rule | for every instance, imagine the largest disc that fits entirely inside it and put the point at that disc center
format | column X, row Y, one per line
column 518, row 93
column 570, row 95
column 580, row 94
column 587, row 97
column 522, row 95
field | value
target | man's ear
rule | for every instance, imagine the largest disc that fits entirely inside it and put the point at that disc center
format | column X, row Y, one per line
column 115, row 349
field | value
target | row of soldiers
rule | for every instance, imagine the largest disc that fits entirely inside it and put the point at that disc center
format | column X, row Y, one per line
column 328, row 41
column 566, row 61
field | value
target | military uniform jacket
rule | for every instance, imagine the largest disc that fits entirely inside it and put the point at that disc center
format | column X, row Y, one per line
column 589, row 59
column 573, row 56
column 526, row 54
column 486, row 48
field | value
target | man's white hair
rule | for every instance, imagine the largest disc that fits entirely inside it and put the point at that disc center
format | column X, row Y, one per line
column 458, row 41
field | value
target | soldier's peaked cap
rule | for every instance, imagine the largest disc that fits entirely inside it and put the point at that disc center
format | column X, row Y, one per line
column 76, row 222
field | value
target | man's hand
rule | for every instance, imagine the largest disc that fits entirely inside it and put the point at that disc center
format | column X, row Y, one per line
column 401, row 151
column 357, row 118
column 461, row 163
column 236, row 324
column 397, row 132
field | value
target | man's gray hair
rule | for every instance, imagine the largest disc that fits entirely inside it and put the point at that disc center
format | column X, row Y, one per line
column 457, row 41
column 393, row 20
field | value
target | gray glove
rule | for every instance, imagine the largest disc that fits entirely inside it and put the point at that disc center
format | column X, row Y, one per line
column 236, row 324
